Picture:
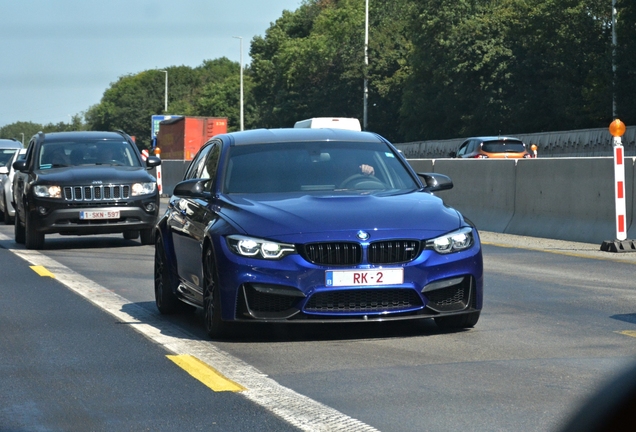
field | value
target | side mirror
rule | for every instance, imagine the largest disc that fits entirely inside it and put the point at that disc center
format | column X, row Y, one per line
column 435, row 182
column 191, row 188
column 20, row 165
column 152, row 161
column 452, row 154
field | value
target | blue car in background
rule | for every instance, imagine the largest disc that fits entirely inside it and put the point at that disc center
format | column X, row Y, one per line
column 314, row 225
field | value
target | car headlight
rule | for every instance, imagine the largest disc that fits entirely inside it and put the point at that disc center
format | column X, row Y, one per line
column 259, row 248
column 143, row 188
column 47, row 191
column 452, row 242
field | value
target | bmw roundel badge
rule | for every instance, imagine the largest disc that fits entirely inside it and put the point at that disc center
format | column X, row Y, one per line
column 363, row 235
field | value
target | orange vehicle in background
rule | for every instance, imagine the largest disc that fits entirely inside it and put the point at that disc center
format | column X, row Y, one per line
column 492, row 147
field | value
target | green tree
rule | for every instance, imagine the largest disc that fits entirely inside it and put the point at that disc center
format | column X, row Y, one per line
column 484, row 66
column 626, row 61
column 311, row 63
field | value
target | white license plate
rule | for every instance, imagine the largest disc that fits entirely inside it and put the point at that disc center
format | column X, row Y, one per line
column 364, row 277
column 106, row 214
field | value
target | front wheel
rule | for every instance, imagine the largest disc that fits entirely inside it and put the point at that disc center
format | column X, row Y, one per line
column 214, row 325
column 458, row 321
column 165, row 298
column 33, row 239
column 18, row 230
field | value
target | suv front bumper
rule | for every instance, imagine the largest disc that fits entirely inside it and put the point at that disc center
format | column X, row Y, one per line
column 49, row 217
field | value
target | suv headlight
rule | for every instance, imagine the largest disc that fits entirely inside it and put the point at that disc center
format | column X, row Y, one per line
column 452, row 242
column 143, row 188
column 47, row 191
column 259, row 248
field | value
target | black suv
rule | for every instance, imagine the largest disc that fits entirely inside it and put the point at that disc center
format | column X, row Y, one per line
column 81, row 183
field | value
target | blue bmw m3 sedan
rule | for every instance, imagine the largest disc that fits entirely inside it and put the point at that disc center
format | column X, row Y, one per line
column 314, row 225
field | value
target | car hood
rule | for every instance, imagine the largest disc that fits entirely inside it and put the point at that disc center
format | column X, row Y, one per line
column 95, row 173
column 410, row 215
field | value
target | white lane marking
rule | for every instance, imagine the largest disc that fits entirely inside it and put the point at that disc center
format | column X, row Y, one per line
column 300, row 411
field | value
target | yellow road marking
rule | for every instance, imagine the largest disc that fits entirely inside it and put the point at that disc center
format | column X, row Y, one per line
column 42, row 271
column 206, row 374
column 631, row 333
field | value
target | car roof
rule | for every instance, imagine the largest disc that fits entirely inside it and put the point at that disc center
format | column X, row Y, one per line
column 495, row 138
column 10, row 144
column 268, row 136
column 82, row 135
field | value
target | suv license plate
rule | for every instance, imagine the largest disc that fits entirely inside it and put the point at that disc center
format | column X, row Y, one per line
column 91, row 215
column 364, row 277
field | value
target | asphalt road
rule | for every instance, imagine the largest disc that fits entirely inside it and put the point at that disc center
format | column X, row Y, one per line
column 559, row 320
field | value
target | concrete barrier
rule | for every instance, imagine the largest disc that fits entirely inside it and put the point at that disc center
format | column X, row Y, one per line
column 421, row 165
column 567, row 199
column 484, row 190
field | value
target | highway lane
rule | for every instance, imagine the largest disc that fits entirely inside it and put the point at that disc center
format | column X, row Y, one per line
column 554, row 327
column 65, row 365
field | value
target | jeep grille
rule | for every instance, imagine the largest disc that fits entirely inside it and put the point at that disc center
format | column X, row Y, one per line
column 96, row 193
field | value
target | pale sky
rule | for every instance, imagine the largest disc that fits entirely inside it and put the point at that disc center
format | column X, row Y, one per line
column 57, row 57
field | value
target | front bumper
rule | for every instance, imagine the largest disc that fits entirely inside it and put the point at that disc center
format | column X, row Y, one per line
column 293, row 290
column 50, row 217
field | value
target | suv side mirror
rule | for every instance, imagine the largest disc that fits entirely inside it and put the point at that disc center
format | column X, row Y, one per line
column 436, row 182
column 20, row 165
column 452, row 154
column 152, row 161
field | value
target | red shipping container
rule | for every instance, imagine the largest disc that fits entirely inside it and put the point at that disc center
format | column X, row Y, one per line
column 181, row 138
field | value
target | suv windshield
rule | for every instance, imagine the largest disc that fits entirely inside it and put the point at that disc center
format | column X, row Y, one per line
column 503, row 146
column 314, row 166
column 75, row 153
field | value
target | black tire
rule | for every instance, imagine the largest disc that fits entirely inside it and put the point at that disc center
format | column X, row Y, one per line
column 18, row 230
column 131, row 235
column 146, row 236
column 165, row 298
column 8, row 219
column 458, row 321
column 32, row 239
column 214, row 324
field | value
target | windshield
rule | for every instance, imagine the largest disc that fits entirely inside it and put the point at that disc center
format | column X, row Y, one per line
column 503, row 146
column 315, row 166
column 6, row 155
column 75, row 153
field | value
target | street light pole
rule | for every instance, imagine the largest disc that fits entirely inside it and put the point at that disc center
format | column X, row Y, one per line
column 165, row 104
column 21, row 133
column 614, row 43
column 366, row 65
column 241, row 76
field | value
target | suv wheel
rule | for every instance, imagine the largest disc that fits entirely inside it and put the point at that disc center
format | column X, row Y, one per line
column 33, row 239
column 146, row 236
column 18, row 230
column 131, row 235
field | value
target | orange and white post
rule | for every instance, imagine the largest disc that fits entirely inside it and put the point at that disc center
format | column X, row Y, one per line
column 617, row 129
column 159, row 181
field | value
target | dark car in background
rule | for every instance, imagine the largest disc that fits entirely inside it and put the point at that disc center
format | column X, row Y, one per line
column 489, row 147
column 314, row 226
column 80, row 183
